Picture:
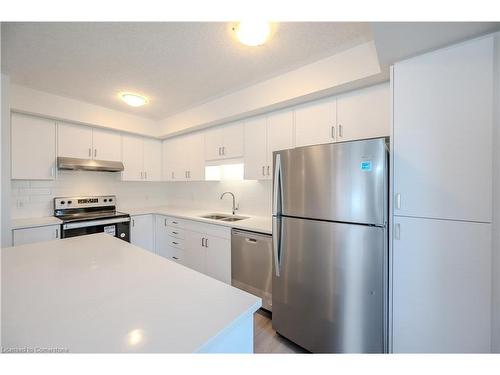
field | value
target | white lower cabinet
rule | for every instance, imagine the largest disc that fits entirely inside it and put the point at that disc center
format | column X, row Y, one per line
column 36, row 234
column 205, row 248
column 142, row 231
column 441, row 285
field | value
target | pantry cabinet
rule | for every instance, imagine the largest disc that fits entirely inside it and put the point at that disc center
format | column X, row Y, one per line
column 33, row 143
column 363, row 114
column 142, row 230
column 263, row 136
column 141, row 159
column 85, row 142
column 224, row 142
column 25, row 236
column 315, row 123
column 443, row 107
column 441, row 286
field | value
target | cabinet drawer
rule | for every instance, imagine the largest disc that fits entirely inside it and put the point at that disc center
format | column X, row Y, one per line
column 176, row 242
column 174, row 222
column 176, row 233
column 177, row 255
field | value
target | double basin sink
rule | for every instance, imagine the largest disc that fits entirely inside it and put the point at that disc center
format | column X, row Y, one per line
column 224, row 217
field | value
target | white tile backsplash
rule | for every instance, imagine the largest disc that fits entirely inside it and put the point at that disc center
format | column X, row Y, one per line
column 35, row 198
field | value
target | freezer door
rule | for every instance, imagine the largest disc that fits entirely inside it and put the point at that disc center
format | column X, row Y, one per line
column 337, row 182
column 329, row 295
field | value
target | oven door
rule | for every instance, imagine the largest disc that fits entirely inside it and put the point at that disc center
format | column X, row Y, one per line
column 117, row 227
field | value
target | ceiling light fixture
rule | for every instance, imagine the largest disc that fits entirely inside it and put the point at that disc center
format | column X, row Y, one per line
column 134, row 100
column 252, row 33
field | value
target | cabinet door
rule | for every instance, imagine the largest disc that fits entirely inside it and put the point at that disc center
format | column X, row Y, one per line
column 280, row 136
column 256, row 149
column 315, row 123
column 233, row 142
column 132, row 157
column 37, row 234
column 442, row 133
column 218, row 258
column 142, row 231
column 74, row 141
column 161, row 237
column 152, row 159
column 33, row 148
column 364, row 113
column 195, row 253
column 441, row 286
column 195, row 157
column 168, row 157
column 107, row 145
column 213, row 143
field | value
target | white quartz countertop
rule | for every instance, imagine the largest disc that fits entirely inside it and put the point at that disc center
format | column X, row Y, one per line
column 259, row 224
column 252, row 223
column 96, row 293
column 34, row 222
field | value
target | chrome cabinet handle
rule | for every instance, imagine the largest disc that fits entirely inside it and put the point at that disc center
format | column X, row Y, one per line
column 398, row 201
column 52, row 172
column 165, row 222
column 95, row 152
column 341, row 133
column 175, row 222
column 173, row 176
column 57, row 233
column 263, row 170
column 175, row 243
column 206, row 242
column 397, row 231
column 202, row 242
column 90, row 152
column 333, row 132
column 268, row 170
column 223, row 150
column 133, row 222
column 145, row 175
column 175, row 258
column 219, row 150
column 175, row 232
column 142, row 175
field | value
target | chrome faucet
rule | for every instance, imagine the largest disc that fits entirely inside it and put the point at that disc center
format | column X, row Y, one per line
column 234, row 200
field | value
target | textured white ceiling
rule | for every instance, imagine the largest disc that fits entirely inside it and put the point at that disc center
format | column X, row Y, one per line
column 177, row 65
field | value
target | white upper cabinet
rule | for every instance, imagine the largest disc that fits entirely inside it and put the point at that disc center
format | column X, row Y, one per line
column 107, row 145
column 152, row 160
column 184, row 158
column 84, row 142
column 443, row 133
column 33, row 148
column 132, row 150
column 364, row 113
column 263, row 136
column 315, row 123
column 224, row 142
column 256, row 148
column 280, row 133
column 74, row 141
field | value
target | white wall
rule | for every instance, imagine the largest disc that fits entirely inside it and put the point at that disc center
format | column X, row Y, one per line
column 346, row 70
column 24, row 99
column 5, row 163
column 496, row 208
column 35, row 198
column 254, row 197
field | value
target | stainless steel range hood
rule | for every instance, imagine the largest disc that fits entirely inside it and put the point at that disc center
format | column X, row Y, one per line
column 75, row 164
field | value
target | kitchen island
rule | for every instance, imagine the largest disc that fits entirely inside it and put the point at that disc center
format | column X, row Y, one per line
column 97, row 293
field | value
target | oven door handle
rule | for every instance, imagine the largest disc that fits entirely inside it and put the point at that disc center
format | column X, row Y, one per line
column 92, row 223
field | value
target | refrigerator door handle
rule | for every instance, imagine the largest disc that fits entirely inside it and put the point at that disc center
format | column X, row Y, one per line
column 277, row 186
column 276, row 244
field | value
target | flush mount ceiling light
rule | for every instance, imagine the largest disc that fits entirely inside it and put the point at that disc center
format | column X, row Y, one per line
column 252, row 32
column 134, row 100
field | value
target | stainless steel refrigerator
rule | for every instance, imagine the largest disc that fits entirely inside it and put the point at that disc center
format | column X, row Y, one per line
column 330, row 252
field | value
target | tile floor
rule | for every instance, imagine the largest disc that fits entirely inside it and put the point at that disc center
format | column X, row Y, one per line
column 266, row 340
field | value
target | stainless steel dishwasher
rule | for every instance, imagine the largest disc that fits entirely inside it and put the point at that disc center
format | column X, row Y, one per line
column 251, row 264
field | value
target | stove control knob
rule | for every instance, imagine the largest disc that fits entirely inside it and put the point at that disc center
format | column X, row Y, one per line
column 111, row 200
column 122, row 235
column 69, row 202
column 105, row 200
column 62, row 202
